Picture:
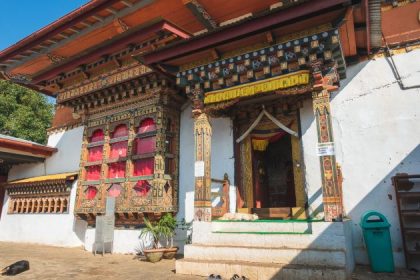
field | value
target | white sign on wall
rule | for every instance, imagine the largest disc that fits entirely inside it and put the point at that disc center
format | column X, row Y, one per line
column 199, row 169
column 325, row 149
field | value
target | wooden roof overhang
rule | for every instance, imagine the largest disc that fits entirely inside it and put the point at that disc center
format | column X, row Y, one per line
column 15, row 151
column 242, row 29
column 70, row 44
column 27, row 147
column 269, row 54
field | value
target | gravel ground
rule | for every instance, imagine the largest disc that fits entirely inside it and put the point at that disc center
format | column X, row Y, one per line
column 47, row 262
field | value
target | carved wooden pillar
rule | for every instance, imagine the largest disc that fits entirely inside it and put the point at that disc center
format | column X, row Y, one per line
column 202, row 140
column 331, row 187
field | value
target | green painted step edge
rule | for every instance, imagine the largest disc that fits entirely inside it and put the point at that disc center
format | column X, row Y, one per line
column 269, row 221
column 263, row 232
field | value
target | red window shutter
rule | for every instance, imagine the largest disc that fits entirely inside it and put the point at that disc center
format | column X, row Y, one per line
column 97, row 135
column 93, row 173
column 95, row 153
column 144, row 167
column 120, row 131
column 91, row 192
column 118, row 149
column 147, row 125
column 117, row 170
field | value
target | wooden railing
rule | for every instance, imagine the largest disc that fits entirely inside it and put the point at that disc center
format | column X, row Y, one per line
column 222, row 193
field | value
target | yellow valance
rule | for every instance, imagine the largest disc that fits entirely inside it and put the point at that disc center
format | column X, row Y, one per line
column 260, row 144
column 275, row 83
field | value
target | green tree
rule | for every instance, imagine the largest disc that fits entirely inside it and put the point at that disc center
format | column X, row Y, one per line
column 24, row 113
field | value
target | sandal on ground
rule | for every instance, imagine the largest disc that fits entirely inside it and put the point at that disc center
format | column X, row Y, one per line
column 235, row 277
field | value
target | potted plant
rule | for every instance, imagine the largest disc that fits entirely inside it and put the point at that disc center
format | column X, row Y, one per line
column 156, row 230
column 168, row 223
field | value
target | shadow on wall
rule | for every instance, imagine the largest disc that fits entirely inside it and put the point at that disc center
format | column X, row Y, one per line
column 382, row 198
column 329, row 239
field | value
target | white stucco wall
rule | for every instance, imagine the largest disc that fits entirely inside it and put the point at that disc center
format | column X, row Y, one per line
column 66, row 159
column 222, row 159
column 377, row 135
column 311, row 164
column 51, row 229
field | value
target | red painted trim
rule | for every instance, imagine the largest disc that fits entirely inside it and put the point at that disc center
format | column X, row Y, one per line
column 176, row 31
column 58, row 26
column 115, row 46
column 236, row 31
column 27, row 147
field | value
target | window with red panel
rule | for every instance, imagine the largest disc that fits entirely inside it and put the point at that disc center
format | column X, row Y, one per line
column 91, row 192
column 142, row 188
column 95, row 153
column 119, row 149
column 93, row 173
column 116, row 170
column 146, row 139
column 97, row 136
column 144, row 167
column 114, row 190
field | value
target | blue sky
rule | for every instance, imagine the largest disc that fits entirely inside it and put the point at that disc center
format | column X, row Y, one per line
column 20, row 18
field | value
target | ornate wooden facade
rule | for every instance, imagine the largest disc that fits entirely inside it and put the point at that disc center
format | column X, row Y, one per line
column 41, row 195
column 279, row 76
column 148, row 181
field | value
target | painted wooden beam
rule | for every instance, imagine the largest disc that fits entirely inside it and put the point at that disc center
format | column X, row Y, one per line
column 236, row 31
column 57, row 27
column 98, row 18
column 201, row 14
column 127, row 3
column 107, row 48
column 91, row 27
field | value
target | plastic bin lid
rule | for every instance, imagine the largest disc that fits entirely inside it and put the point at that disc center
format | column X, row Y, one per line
column 379, row 222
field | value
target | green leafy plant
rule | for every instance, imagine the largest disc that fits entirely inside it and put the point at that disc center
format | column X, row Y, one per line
column 168, row 222
column 24, row 113
column 153, row 229
column 164, row 228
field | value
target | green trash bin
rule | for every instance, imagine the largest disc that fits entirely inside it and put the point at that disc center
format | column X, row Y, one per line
column 378, row 241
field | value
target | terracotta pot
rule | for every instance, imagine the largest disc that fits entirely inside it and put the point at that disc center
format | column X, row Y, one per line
column 170, row 253
column 154, row 255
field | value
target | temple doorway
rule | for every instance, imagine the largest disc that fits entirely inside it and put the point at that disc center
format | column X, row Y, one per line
column 269, row 169
column 273, row 175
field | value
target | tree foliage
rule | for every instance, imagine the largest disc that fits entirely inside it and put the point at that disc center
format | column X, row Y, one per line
column 24, row 113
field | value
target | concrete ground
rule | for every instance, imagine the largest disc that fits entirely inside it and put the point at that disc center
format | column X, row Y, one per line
column 48, row 262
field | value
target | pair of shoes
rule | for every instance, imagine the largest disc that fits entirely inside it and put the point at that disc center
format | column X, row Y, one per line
column 237, row 277
column 213, row 277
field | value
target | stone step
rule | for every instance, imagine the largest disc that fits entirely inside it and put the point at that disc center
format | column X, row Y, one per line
column 259, row 271
column 204, row 252
column 262, row 227
column 328, row 236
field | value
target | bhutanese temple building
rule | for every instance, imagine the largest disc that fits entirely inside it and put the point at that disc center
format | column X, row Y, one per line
column 300, row 112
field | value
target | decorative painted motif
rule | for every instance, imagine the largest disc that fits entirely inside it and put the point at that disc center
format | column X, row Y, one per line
column 202, row 195
column 246, row 168
column 123, row 74
column 331, row 190
column 272, row 61
column 200, row 12
column 246, row 90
